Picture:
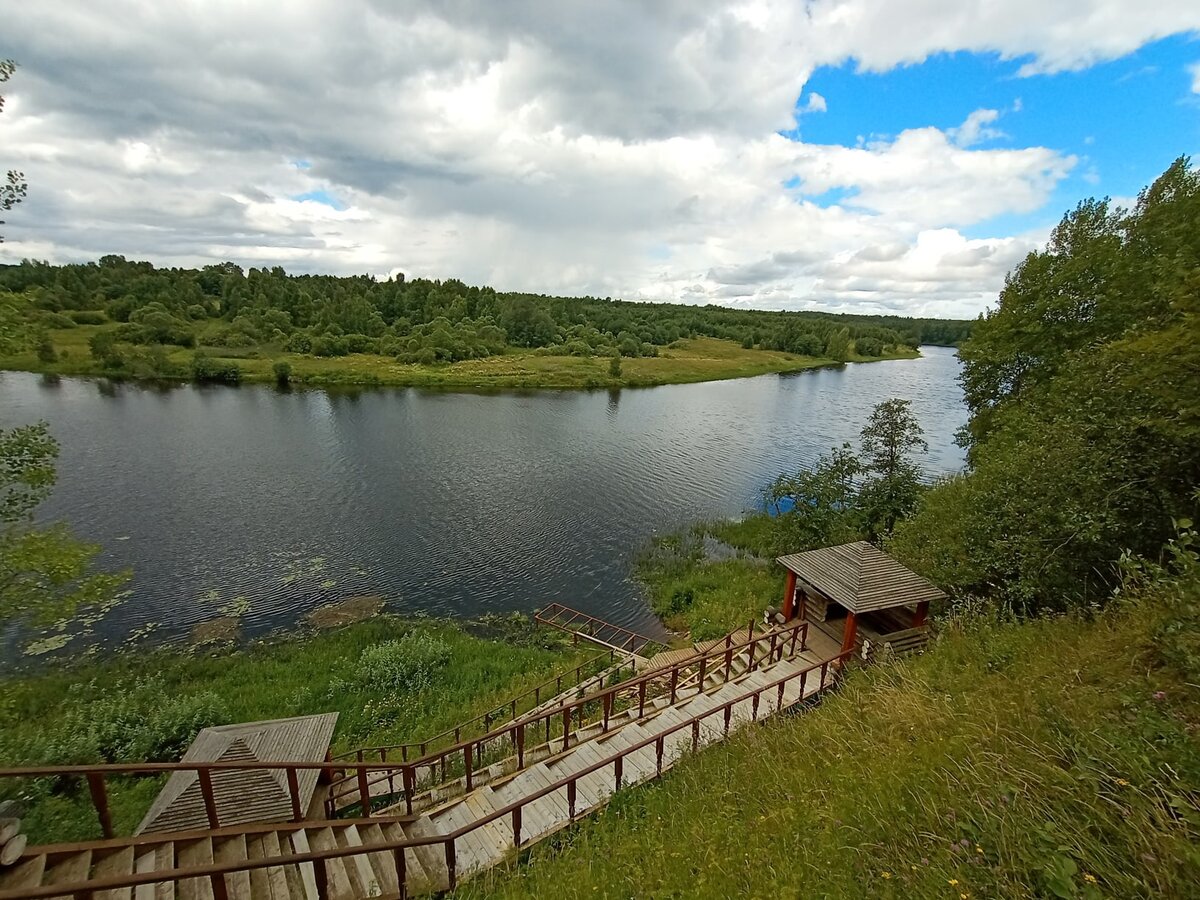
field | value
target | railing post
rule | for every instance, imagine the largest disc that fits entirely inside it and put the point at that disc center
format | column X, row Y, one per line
column 401, row 871
column 750, row 658
column 754, row 706
column 410, row 784
column 774, row 641
column 607, row 710
column 391, row 773
column 294, row 794
column 803, row 682
column 641, row 699
column 695, row 735
column 99, row 792
column 364, row 793
column 674, row 683
column 779, row 700
column 571, row 799
column 824, row 673
column 516, row 826
column 521, row 746
column 467, row 766
column 566, row 727
column 618, row 771
column 728, row 713
column 792, row 649
column 322, row 878
column 703, row 661
column 206, row 791
column 451, row 874
column 219, row 891
column 658, row 754
column 728, row 657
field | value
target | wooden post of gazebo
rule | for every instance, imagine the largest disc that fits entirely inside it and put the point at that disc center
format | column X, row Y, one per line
column 850, row 631
column 922, row 614
column 789, row 596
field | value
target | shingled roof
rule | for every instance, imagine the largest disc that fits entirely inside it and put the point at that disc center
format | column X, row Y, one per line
column 860, row 577
column 243, row 795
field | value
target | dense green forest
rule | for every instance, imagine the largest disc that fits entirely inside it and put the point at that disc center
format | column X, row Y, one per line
column 221, row 307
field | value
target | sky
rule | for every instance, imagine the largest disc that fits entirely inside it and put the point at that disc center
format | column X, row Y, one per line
column 844, row 155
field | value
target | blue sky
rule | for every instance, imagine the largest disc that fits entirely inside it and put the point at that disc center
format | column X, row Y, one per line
column 1126, row 120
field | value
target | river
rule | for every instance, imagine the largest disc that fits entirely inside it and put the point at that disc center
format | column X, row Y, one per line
column 451, row 504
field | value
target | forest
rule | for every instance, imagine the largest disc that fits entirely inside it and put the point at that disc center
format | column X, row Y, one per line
column 221, row 311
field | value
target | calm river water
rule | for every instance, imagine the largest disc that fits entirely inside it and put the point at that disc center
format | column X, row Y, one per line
column 445, row 503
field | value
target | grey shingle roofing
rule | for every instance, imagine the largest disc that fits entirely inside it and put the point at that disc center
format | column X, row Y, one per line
column 860, row 577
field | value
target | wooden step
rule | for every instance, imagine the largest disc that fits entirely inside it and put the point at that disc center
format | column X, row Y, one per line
column 358, row 867
column 336, row 871
column 234, row 850
column 269, row 883
column 148, row 861
column 382, row 862
column 197, row 852
column 23, row 874
column 302, row 877
column 118, row 862
column 69, row 869
column 418, row 879
column 432, row 856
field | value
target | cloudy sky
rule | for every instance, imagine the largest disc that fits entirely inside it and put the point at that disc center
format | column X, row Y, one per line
column 855, row 155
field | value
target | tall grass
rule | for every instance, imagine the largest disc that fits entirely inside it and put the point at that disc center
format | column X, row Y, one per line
column 99, row 712
column 1050, row 758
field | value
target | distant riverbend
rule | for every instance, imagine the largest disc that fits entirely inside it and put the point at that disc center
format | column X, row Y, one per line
column 261, row 505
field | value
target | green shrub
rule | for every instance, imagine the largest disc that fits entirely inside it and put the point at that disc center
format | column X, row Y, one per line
column 205, row 368
column 410, row 664
column 87, row 317
column 283, row 372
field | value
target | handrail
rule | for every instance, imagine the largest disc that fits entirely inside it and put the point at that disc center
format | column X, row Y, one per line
column 96, row 774
column 547, row 615
column 422, row 746
column 471, row 750
column 318, row 858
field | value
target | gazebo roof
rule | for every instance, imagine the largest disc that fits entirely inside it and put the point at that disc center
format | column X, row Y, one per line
column 860, row 577
column 243, row 795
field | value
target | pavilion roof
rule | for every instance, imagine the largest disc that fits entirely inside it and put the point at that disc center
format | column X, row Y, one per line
column 243, row 795
column 860, row 577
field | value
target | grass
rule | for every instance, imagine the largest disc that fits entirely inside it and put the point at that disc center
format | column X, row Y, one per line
column 701, row 359
column 292, row 676
column 1012, row 760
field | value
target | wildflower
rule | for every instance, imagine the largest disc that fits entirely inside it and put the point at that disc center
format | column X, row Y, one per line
column 924, row 860
column 1160, row 696
column 953, row 882
column 1122, row 782
column 963, row 896
column 885, row 874
column 1089, row 877
column 978, row 849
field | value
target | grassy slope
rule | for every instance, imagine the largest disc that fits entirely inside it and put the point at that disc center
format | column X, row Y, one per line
column 702, row 359
column 1013, row 760
column 295, row 676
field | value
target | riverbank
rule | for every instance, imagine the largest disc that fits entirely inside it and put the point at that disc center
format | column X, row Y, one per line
column 684, row 362
column 390, row 679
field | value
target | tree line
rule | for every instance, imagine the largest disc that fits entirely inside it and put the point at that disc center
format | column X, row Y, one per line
column 417, row 321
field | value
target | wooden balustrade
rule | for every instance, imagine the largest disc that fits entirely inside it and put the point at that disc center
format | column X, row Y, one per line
column 216, row 871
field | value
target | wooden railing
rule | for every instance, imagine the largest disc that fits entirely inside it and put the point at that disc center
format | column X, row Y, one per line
column 464, row 757
column 582, row 625
column 417, row 749
column 216, row 871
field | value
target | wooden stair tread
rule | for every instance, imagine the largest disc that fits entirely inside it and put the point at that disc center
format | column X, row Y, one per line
column 120, row 862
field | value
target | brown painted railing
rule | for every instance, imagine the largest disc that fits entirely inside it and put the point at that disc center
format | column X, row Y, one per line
column 591, row 628
column 216, row 871
column 417, row 749
column 464, row 757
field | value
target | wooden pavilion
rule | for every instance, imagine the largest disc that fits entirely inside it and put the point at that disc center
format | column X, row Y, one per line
column 859, row 596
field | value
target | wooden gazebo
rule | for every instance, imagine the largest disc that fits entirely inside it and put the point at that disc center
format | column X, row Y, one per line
column 882, row 604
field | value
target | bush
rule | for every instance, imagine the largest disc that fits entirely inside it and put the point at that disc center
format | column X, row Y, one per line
column 283, row 372
column 45, row 350
column 614, row 366
column 87, row 317
column 205, row 368
column 56, row 320
column 408, row 664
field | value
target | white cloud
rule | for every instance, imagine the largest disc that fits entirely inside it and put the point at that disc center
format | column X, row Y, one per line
column 624, row 149
column 1194, row 68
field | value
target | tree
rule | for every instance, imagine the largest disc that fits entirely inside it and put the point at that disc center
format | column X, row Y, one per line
column 893, row 485
column 824, row 502
column 837, row 345
column 14, row 188
column 45, row 575
column 614, row 366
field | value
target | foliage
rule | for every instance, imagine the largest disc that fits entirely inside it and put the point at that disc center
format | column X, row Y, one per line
column 90, row 711
column 1084, row 390
column 13, row 189
column 205, row 368
column 893, row 482
column 283, row 372
column 614, row 366
column 411, row 663
column 45, row 573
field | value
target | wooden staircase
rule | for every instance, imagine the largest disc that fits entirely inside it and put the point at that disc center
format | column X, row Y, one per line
column 395, row 853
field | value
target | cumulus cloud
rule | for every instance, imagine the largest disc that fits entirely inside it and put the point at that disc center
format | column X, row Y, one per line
column 1194, row 69
column 624, row 149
